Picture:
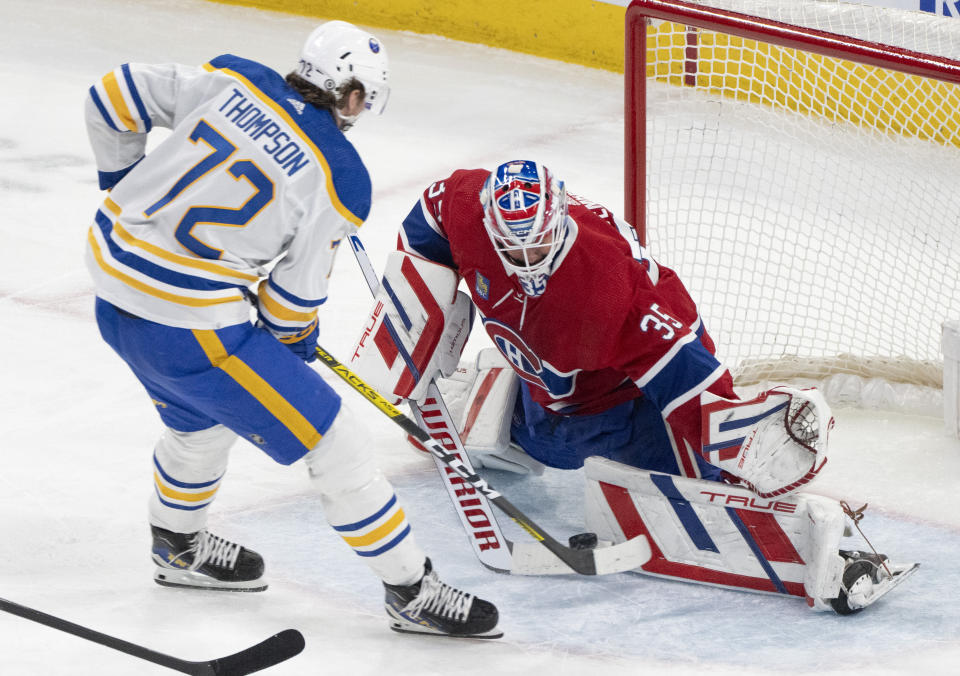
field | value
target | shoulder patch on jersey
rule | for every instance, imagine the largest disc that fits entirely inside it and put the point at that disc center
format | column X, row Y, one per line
column 482, row 286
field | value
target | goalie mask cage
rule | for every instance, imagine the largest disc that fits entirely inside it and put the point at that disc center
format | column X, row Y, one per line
column 798, row 163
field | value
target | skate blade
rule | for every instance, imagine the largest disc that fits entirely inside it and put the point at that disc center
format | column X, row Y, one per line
column 900, row 573
column 188, row 579
column 412, row 628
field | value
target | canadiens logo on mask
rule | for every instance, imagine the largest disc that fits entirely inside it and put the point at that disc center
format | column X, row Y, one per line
column 525, row 216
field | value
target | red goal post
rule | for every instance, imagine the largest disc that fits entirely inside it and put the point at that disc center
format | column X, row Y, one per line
column 712, row 93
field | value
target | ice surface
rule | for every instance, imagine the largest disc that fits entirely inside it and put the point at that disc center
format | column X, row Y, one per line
column 76, row 431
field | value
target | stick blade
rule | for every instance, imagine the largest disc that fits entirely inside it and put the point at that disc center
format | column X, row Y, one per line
column 622, row 557
column 532, row 558
column 276, row 649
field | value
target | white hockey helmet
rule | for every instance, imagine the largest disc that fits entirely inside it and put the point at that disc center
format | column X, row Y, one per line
column 337, row 51
column 525, row 216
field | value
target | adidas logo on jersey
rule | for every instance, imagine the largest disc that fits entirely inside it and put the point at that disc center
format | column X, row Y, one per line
column 299, row 105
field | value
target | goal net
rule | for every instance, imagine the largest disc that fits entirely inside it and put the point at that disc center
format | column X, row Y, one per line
column 798, row 163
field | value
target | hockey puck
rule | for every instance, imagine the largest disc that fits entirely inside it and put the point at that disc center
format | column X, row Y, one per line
column 583, row 541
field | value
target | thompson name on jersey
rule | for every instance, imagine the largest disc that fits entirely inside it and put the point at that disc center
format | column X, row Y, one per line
column 260, row 175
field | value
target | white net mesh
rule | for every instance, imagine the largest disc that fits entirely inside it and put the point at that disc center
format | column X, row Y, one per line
column 810, row 203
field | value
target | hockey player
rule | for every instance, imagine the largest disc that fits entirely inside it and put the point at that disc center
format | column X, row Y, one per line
column 255, row 186
column 614, row 364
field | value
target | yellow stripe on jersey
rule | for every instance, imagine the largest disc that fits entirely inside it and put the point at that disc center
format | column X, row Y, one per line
column 179, row 495
column 331, row 191
column 279, row 311
column 112, row 87
column 123, row 234
column 259, row 388
column 377, row 533
column 146, row 288
column 208, row 266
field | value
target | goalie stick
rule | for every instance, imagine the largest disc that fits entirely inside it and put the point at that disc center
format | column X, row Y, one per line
column 443, row 442
column 276, row 649
column 494, row 551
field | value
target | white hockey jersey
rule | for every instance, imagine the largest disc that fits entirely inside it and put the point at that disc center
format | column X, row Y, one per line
column 249, row 175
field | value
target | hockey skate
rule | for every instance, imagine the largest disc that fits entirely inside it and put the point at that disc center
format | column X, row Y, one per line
column 205, row 561
column 867, row 577
column 434, row 607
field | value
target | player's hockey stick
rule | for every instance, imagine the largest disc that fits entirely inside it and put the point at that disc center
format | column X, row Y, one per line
column 273, row 650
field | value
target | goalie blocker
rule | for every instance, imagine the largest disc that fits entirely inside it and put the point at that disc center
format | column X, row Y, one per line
column 419, row 308
column 722, row 535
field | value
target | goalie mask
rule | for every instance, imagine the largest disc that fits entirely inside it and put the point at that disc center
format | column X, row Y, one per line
column 525, row 216
column 337, row 51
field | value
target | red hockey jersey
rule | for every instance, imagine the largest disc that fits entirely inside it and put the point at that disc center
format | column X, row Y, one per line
column 612, row 324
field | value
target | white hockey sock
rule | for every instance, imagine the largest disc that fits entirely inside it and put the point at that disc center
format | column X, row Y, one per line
column 187, row 470
column 360, row 503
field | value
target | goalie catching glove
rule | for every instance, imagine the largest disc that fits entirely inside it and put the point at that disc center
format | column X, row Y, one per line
column 417, row 329
column 773, row 444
